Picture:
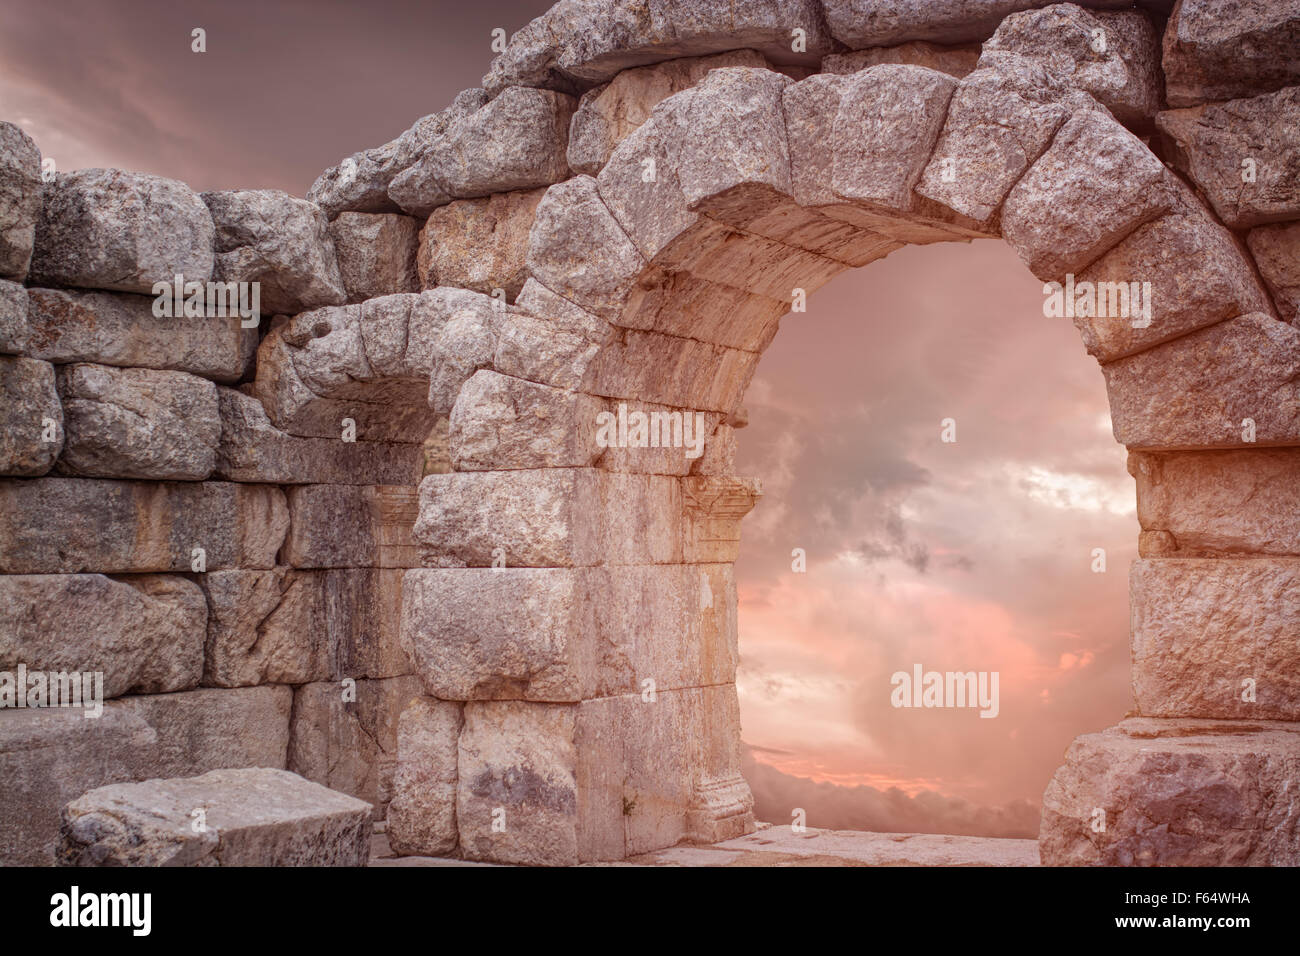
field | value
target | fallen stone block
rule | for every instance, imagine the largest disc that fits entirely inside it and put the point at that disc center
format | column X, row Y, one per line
column 71, row 525
column 247, row 817
column 143, row 633
column 31, row 417
column 123, row 231
column 20, row 200
column 376, row 253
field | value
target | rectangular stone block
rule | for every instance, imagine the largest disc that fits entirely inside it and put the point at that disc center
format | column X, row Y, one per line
column 350, row 526
column 1218, row 503
column 422, row 815
column 251, row 817
column 344, row 736
column 69, row 525
column 31, row 417
column 116, row 329
column 49, row 757
column 562, row 634
column 13, row 317
column 1216, row 638
column 557, row 517
column 144, row 634
column 253, row 450
column 666, row 369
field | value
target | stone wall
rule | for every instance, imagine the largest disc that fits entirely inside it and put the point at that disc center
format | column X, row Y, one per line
column 535, row 656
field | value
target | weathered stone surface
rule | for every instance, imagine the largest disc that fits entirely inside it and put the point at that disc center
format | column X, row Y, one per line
column 578, row 44
column 873, row 23
column 1216, row 638
column 360, row 182
column 252, row 817
column 350, row 526
column 558, row 517
column 956, row 61
column 608, row 114
column 712, row 509
column 500, row 422
column 518, row 759
column 1198, row 275
column 277, row 240
column 1217, row 51
column 1198, row 391
column 1000, row 120
column 466, row 344
column 137, row 423
column 345, row 737
column 577, row 249
column 1244, row 154
column 540, row 301
column 284, row 625
column 689, row 307
column 14, row 331
column 1276, row 250
column 252, row 449
column 145, row 634
column 49, row 757
column 1096, row 183
column 479, row 244
column 888, row 121
column 110, row 229
column 422, row 816
column 542, row 350
column 668, row 370
column 30, row 414
column 1214, row 503
column 1113, row 56
column 111, row 329
column 1176, row 793
column 20, row 200
column 517, row 141
column 376, row 253
column 562, row 634
column 70, row 525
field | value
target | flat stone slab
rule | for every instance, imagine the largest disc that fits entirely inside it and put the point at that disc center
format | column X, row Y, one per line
column 249, row 817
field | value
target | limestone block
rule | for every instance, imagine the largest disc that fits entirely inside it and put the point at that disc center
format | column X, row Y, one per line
column 479, row 244
column 559, row 517
column 121, row 330
column 20, row 200
column 422, row 815
column 137, row 423
column 345, row 737
column 1218, row 52
column 376, row 253
column 252, row 817
column 31, row 413
column 683, row 305
column 1216, row 638
column 71, row 525
column 123, row 231
column 541, row 350
column 668, row 370
column 14, row 330
column 1220, row 503
column 350, row 526
column 49, row 757
column 1276, row 250
column 1175, row 793
column 145, row 633
column 540, row 301
column 1243, row 154
column 1199, row 390
column 1093, row 186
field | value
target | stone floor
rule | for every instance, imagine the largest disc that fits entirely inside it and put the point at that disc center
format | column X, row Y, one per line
column 779, row 846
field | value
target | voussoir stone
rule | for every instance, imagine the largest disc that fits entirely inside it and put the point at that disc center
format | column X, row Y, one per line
column 14, row 330
column 517, row 141
column 360, row 183
column 422, row 815
column 69, row 525
column 376, row 253
column 20, row 200
column 251, row 817
column 1244, row 155
column 1276, row 250
column 279, row 241
column 1216, row 638
column 109, row 328
column 137, row 423
column 110, row 229
column 31, row 417
column 479, row 244
column 1093, row 186
column 1221, row 51
column 1223, row 386
column 144, row 633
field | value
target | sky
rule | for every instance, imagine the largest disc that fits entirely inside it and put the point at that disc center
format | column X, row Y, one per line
column 970, row 555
